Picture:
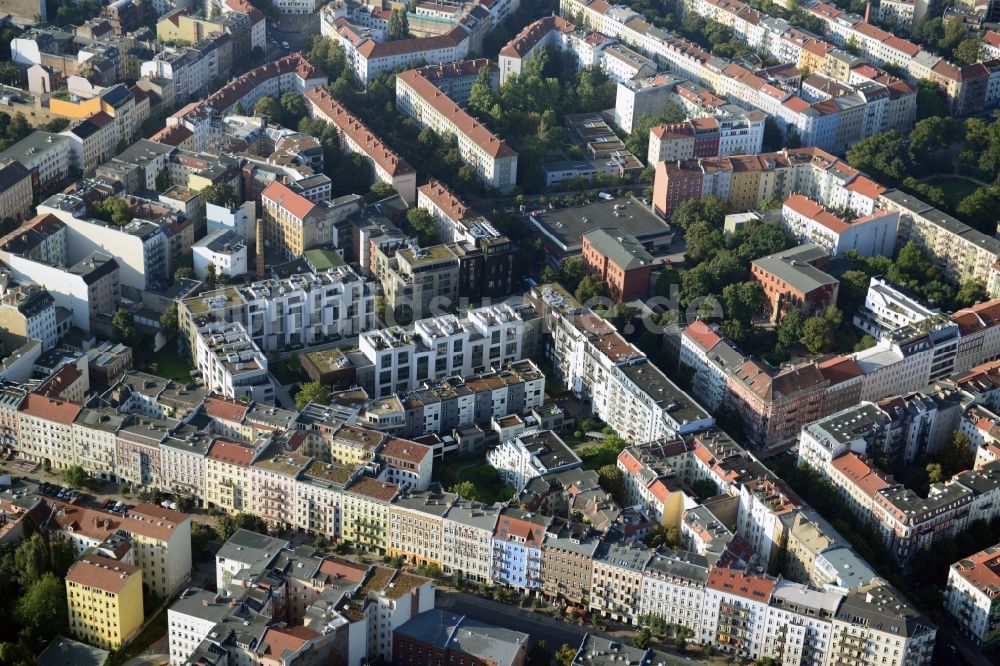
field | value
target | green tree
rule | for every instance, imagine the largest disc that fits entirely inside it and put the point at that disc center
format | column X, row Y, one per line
column 866, row 342
column 882, row 155
column 184, row 273
column 112, row 209
column 42, row 609
column 466, row 489
column 539, row 655
column 75, row 476
column 219, row 194
column 644, row 639
column 957, row 454
column 30, row 560
column 379, row 191
column 613, row 481
column 667, row 278
column 399, row 24
column 970, row 293
column 423, row 224
column 817, row 334
column 969, row 51
column 482, row 96
column 705, row 488
column 312, row 392
column 590, row 287
column 595, row 91
column 566, row 655
column 169, row 320
column 979, row 209
column 294, row 107
column 744, row 300
column 268, row 106
column 163, row 180
column 123, row 328
column 238, row 110
column 934, row 473
column 229, row 524
column 638, row 140
column 929, row 138
column 201, row 534
column 211, row 276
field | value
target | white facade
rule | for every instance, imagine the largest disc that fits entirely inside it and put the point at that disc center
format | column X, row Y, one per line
column 444, row 346
column 230, row 363
column 871, row 235
column 224, row 249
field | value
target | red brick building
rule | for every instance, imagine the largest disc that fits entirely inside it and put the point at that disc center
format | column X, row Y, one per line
column 675, row 182
column 621, row 261
column 793, row 280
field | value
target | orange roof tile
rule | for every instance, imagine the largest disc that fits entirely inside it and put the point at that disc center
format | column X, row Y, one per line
column 466, row 124
column 293, row 202
column 101, row 572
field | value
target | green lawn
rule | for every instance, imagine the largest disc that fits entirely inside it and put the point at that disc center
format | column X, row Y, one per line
column 955, row 189
column 456, row 469
column 168, row 363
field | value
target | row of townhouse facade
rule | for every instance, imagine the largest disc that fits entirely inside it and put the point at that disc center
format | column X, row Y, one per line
column 588, row 48
column 805, row 617
column 853, row 103
column 747, row 180
column 968, row 88
column 303, row 309
column 355, row 137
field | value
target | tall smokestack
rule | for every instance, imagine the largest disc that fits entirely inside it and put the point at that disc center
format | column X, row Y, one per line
column 260, row 249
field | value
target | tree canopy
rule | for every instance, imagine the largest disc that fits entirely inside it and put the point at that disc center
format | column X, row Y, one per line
column 312, row 392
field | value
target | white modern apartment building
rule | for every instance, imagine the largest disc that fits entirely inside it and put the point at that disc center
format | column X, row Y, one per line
column 727, row 133
column 888, row 309
column 46, row 155
column 467, row 539
column 302, row 309
column 368, row 53
column 230, row 363
column 630, row 394
column 446, row 346
column 224, row 249
column 532, row 453
column 493, row 160
column 871, row 235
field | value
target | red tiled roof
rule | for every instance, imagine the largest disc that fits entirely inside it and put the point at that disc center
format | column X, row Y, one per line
column 281, row 643
column 466, row 124
column 153, row 521
column 225, row 409
column 49, row 409
column 371, row 50
column 101, row 572
column 226, row 451
column 703, row 335
column 293, row 202
column 748, row 586
column 334, row 113
column 533, row 33
column 453, row 207
column 405, row 449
